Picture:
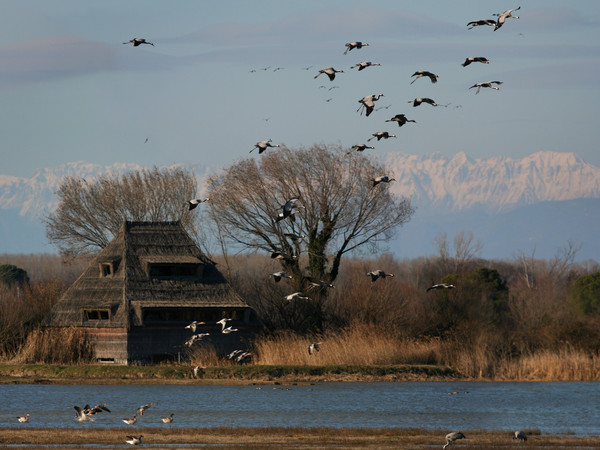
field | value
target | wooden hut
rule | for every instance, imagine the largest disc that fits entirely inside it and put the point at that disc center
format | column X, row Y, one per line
column 136, row 297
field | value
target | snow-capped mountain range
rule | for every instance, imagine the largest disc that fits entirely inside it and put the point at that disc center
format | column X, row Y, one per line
column 450, row 194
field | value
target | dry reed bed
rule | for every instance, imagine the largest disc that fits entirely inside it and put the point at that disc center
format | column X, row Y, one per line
column 283, row 437
column 365, row 345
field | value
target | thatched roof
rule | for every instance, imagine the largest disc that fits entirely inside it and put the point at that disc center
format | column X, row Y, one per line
column 126, row 277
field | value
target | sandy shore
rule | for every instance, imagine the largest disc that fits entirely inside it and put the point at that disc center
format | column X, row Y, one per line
column 281, row 438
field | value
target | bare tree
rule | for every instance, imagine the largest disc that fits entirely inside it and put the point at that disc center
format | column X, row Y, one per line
column 464, row 247
column 339, row 210
column 89, row 214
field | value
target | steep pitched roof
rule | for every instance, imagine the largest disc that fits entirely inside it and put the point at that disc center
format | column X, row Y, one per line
column 135, row 270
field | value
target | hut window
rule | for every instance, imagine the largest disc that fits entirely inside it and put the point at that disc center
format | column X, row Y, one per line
column 95, row 314
column 166, row 271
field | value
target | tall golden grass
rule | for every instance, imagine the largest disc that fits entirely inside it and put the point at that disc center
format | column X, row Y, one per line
column 362, row 344
column 56, row 346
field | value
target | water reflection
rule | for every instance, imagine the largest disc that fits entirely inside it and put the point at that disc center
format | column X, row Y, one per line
column 553, row 408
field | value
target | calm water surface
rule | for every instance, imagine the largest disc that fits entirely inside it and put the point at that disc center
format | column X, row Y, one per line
column 553, row 408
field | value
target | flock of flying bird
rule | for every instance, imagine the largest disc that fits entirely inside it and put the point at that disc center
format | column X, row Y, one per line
column 288, row 210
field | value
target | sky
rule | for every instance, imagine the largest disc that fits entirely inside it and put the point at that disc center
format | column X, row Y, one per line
column 70, row 90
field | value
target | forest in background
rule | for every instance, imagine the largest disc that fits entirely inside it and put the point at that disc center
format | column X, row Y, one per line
column 506, row 319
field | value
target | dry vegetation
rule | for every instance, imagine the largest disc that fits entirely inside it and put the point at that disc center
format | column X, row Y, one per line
column 517, row 326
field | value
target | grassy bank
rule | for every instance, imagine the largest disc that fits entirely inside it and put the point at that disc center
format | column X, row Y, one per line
column 98, row 374
column 283, row 438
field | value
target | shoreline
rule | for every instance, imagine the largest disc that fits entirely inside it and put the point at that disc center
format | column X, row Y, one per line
column 250, row 374
column 280, row 437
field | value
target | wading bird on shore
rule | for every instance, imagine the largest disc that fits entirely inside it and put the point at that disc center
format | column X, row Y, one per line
column 400, row 119
column 364, row 65
column 423, row 73
column 520, row 435
column 330, row 72
column 134, row 440
column 368, row 103
column 376, row 274
column 486, row 84
column 503, row 16
column 359, row 148
column 473, row 59
column 355, row 44
column 455, row 436
column 478, row 23
column 381, row 135
column 417, row 101
column 382, row 179
column 441, row 286
column 263, row 145
column 138, row 41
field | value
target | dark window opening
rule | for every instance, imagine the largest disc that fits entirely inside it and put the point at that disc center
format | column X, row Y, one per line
column 95, row 314
column 106, row 269
column 176, row 271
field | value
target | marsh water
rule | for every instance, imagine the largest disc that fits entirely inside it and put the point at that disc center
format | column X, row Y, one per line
column 553, row 408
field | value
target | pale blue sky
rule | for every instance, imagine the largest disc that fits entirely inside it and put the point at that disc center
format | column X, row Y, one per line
column 70, row 90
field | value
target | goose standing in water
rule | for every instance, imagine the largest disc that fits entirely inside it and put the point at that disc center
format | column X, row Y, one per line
column 131, row 421
column 23, row 419
column 167, row 419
